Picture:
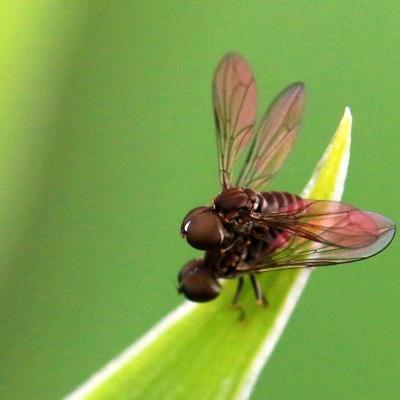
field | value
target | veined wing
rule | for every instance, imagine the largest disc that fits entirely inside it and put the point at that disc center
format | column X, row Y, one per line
column 274, row 138
column 234, row 95
column 317, row 233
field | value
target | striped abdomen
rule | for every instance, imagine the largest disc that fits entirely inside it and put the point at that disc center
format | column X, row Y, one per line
column 274, row 201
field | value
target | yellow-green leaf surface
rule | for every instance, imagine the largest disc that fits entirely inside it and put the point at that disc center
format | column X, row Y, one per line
column 205, row 351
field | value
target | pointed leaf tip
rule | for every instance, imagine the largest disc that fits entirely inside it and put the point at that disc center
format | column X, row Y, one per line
column 330, row 174
column 157, row 365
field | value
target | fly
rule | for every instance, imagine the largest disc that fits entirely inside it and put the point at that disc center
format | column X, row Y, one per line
column 247, row 230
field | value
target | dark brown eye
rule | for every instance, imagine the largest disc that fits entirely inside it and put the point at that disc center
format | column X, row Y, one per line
column 203, row 228
column 198, row 283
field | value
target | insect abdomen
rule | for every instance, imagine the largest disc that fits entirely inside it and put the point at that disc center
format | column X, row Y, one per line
column 275, row 201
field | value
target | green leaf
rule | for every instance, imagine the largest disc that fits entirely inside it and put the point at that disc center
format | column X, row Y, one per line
column 205, row 351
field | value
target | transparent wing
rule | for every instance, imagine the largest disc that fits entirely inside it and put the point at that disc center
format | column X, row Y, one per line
column 234, row 92
column 318, row 233
column 274, row 138
column 299, row 252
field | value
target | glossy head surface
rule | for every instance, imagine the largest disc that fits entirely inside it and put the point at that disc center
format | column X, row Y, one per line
column 198, row 283
column 203, row 228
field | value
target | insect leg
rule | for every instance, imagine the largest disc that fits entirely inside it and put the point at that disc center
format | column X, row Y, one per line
column 260, row 298
column 238, row 291
column 236, row 298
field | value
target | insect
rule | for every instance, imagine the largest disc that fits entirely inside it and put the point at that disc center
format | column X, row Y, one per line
column 247, row 231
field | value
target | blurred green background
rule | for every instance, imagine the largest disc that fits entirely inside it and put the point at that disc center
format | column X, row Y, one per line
column 107, row 140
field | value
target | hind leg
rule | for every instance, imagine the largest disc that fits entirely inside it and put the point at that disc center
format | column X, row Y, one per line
column 260, row 298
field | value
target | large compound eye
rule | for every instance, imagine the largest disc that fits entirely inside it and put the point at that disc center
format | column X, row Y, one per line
column 203, row 228
column 198, row 283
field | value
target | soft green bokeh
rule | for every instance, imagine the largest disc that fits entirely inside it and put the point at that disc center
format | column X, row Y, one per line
column 106, row 140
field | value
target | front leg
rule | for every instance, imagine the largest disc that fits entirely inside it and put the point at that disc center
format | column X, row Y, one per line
column 236, row 297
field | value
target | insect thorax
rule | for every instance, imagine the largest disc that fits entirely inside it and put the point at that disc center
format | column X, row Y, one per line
column 248, row 239
column 237, row 202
